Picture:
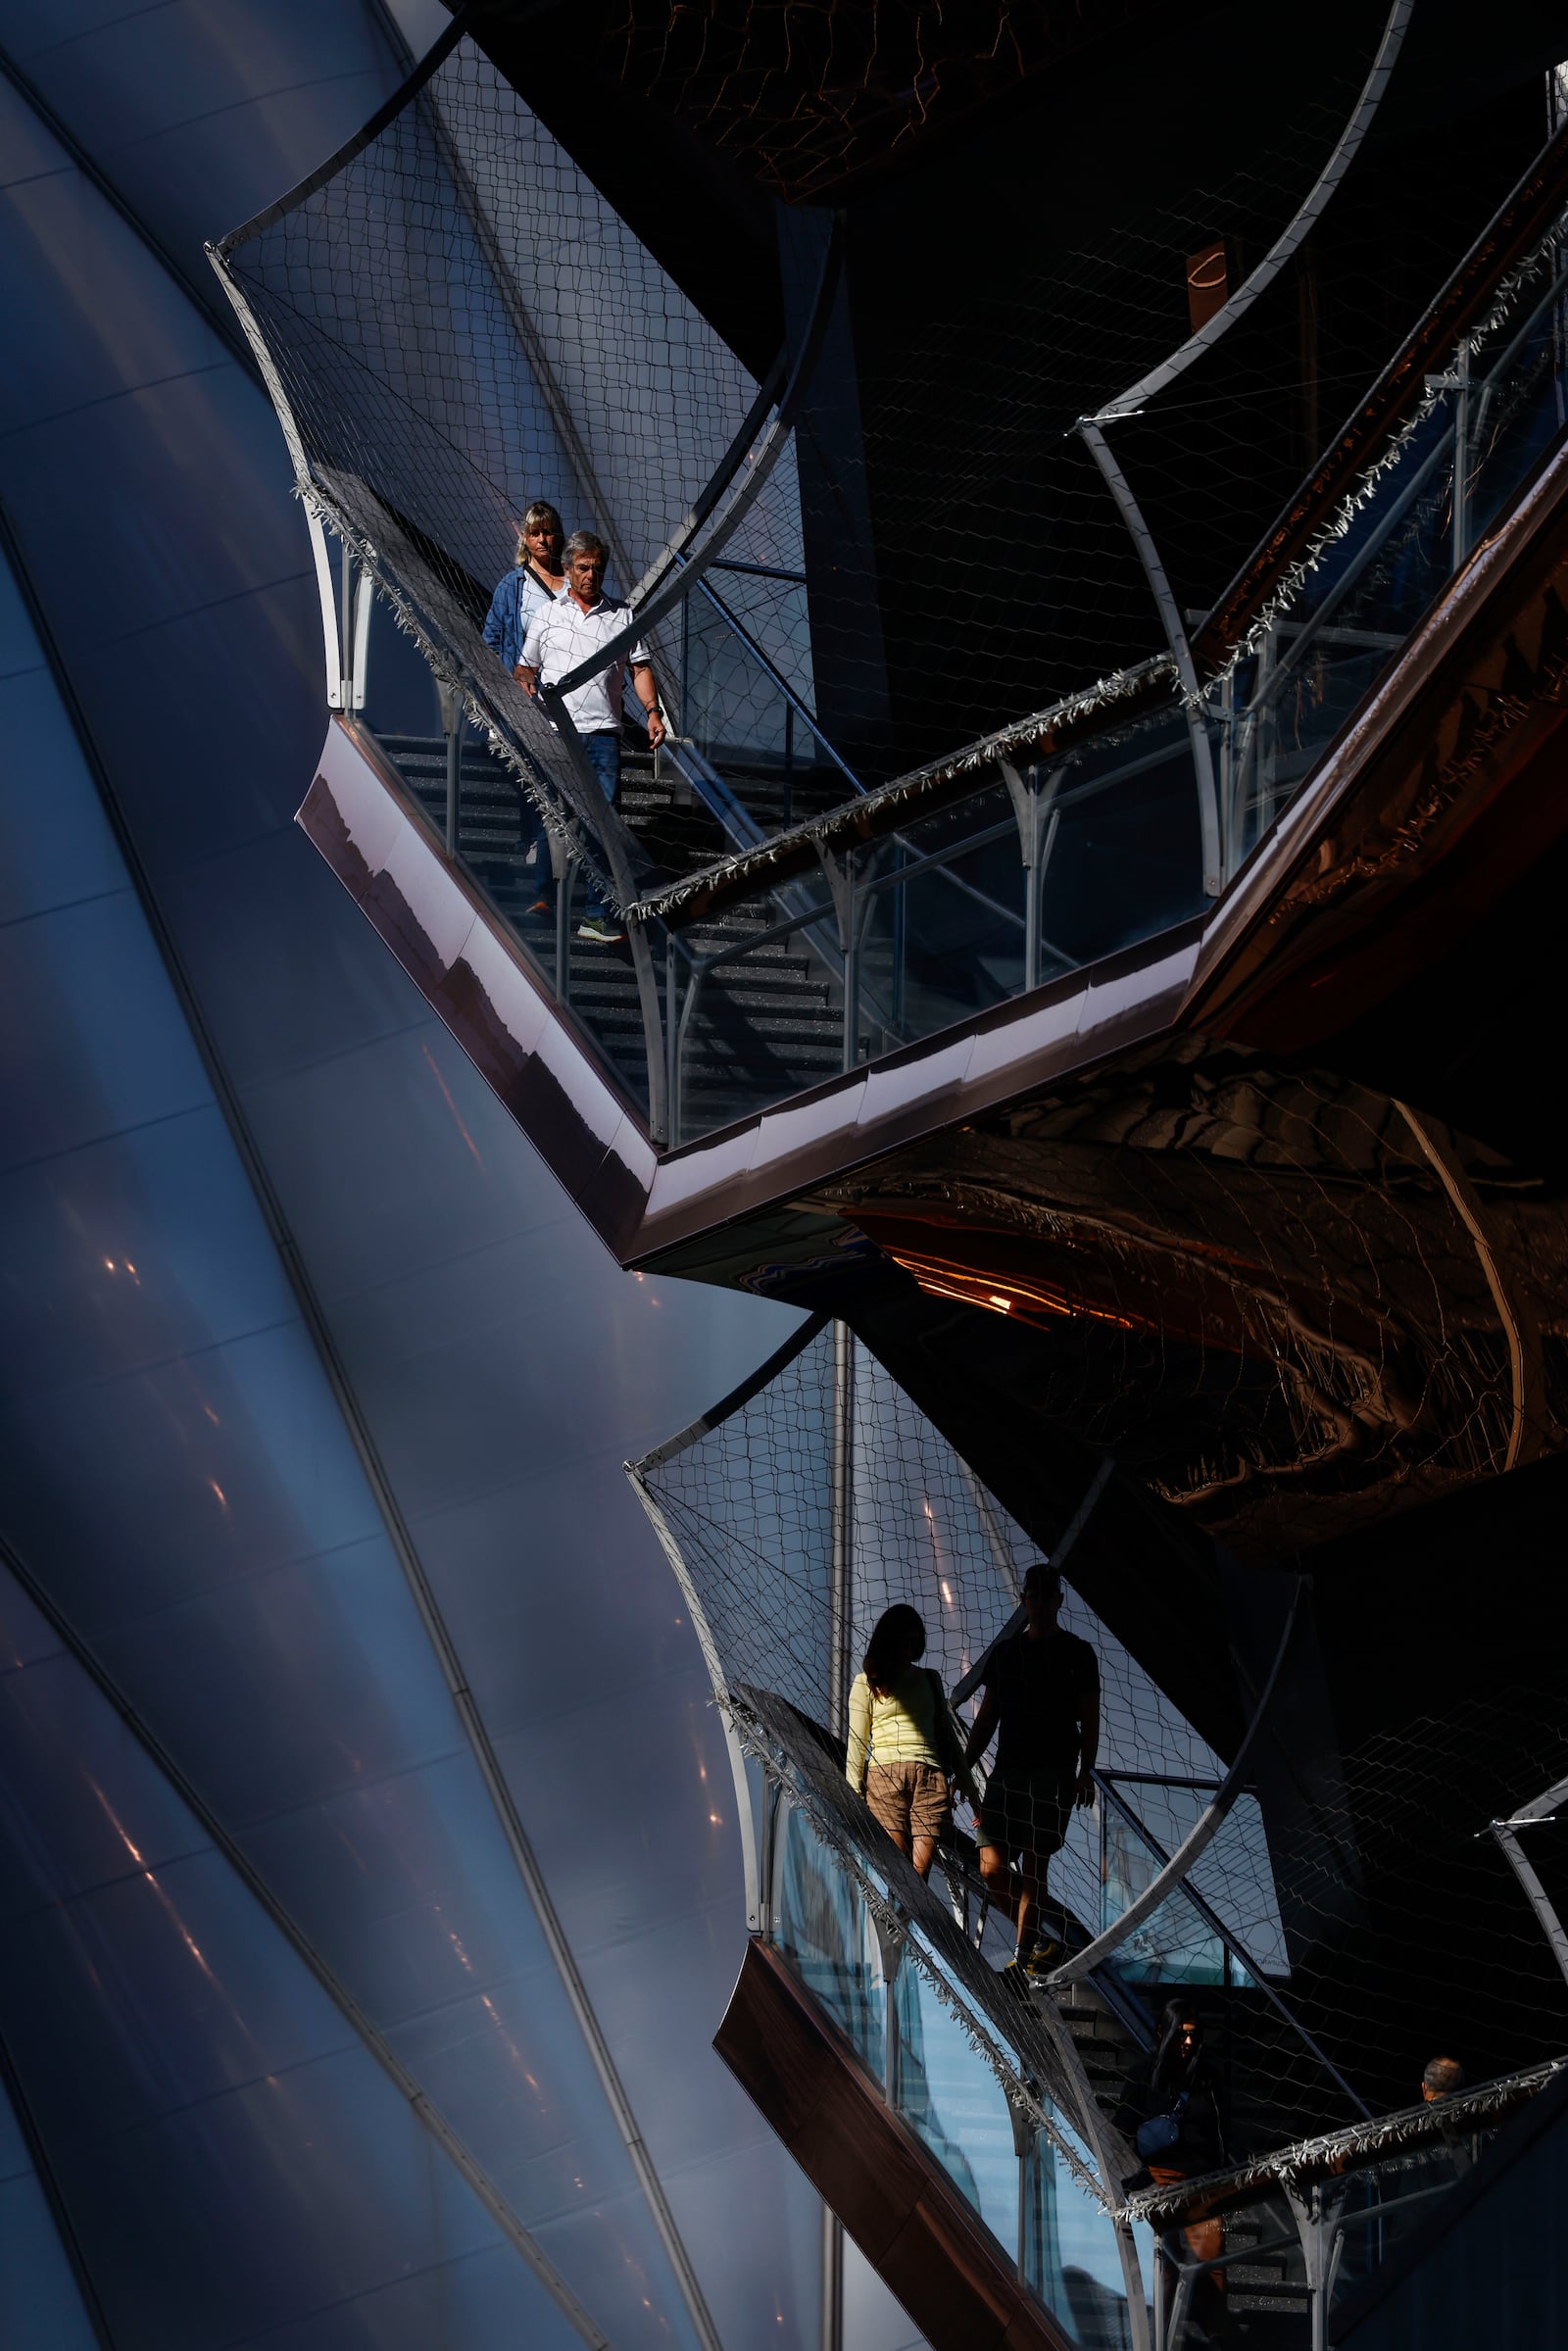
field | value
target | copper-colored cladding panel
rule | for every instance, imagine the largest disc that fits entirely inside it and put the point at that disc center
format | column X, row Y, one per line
column 1441, row 795
column 910, row 2223
column 1208, row 283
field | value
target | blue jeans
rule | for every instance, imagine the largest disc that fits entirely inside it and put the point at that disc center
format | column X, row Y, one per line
column 603, row 751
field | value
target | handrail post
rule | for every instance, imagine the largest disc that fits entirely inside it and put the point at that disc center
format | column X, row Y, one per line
column 849, row 946
column 452, row 729
column 1032, row 804
column 672, row 1071
column 1214, row 874
column 564, row 890
column 1461, row 457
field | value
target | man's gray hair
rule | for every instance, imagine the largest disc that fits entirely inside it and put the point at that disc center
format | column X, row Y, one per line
column 584, row 542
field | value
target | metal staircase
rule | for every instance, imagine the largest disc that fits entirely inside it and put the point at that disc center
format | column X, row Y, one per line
column 770, row 1022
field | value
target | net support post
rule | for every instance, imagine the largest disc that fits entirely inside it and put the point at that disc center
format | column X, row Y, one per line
column 1534, row 1816
column 1034, row 811
column 1170, row 620
column 1198, row 1838
column 841, row 1472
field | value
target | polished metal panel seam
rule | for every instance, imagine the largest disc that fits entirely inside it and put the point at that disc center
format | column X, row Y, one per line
column 320, row 1336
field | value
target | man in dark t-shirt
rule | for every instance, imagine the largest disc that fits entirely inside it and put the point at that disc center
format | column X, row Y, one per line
column 1042, row 1695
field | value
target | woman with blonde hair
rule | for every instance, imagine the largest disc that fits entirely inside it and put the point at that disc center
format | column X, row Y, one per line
column 904, row 1748
column 535, row 580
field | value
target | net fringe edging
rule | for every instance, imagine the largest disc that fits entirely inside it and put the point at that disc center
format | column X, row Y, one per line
column 1015, row 2085
column 1406, row 2127
column 1337, row 527
column 1020, row 734
column 449, row 673
column 1026, row 733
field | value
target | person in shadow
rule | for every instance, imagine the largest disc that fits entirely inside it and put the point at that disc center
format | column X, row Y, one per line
column 1170, row 2111
column 1042, row 1703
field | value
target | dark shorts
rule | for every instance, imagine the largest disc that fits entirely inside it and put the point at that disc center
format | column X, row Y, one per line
column 1027, row 1812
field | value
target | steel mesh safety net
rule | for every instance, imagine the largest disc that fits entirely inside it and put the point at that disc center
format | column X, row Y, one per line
column 1004, row 578
column 457, row 324
column 797, row 1518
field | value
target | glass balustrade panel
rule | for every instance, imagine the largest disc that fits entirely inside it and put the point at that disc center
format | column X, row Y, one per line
column 1375, row 2210
column 1071, row 2259
column 942, row 941
column 1121, row 848
column 822, row 1927
column 952, row 2101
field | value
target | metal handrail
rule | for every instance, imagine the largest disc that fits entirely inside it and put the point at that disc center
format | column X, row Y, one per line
column 801, row 707
column 1314, row 628
column 1174, row 1870
column 1236, row 1949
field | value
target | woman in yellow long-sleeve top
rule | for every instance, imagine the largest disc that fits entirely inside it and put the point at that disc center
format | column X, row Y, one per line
column 904, row 1746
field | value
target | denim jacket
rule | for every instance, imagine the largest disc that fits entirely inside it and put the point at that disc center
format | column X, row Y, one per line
column 513, row 606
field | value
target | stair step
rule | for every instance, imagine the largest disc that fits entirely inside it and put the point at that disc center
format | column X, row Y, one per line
column 773, row 1004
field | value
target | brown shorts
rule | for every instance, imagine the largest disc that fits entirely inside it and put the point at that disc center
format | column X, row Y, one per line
column 909, row 1799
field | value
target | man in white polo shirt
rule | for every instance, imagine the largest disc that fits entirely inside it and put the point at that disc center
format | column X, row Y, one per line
column 561, row 637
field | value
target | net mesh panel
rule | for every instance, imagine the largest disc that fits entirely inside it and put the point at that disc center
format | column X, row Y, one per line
column 1236, row 432
column 459, row 326
column 748, row 1510
column 460, row 323
column 963, row 448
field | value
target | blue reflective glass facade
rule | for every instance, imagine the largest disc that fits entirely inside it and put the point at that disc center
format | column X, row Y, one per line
column 179, row 1473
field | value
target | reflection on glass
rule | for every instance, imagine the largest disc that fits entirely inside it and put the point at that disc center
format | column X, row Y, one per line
column 824, row 1931
column 1499, row 407
column 1070, row 2255
column 953, row 2100
column 1176, row 1944
column 1375, row 2210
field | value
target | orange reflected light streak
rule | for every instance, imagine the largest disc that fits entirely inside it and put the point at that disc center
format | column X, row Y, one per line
column 150, row 1877
column 939, row 1277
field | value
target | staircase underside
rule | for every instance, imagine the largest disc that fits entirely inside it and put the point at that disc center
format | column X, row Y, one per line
column 892, row 2198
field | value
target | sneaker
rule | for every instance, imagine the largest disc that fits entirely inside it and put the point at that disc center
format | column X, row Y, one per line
column 1045, row 1955
column 541, row 906
column 600, row 929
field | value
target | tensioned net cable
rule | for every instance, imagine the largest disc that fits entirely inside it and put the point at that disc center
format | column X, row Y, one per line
column 455, row 324
column 1295, row 1948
